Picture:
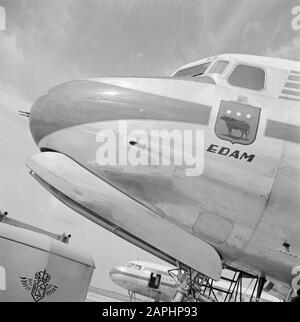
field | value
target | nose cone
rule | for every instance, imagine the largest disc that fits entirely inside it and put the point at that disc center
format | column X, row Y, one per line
column 42, row 118
column 117, row 275
column 43, row 115
column 74, row 103
column 116, row 271
column 83, row 101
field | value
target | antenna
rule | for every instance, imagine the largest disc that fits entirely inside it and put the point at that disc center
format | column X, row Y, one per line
column 23, row 113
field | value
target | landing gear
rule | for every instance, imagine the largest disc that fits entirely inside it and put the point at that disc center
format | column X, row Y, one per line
column 195, row 287
column 185, row 284
column 132, row 296
column 189, row 286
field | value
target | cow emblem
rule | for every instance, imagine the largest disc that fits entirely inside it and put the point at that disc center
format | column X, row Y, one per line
column 40, row 286
column 237, row 122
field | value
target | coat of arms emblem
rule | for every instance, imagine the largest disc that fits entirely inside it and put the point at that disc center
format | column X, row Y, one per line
column 39, row 286
column 237, row 122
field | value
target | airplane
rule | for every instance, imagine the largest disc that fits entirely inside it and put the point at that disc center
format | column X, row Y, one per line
column 146, row 279
column 238, row 207
column 156, row 282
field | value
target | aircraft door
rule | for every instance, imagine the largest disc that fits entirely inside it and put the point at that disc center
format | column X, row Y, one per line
column 154, row 281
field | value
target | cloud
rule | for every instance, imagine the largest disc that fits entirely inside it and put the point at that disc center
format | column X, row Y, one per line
column 251, row 29
column 14, row 69
column 289, row 50
column 11, row 100
column 11, row 57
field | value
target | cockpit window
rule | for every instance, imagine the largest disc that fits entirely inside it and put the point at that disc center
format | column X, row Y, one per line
column 134, row 266
column 193, row 71
column 219, row 67
column 247, row 77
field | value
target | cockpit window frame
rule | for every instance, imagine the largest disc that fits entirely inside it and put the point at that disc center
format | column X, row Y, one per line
column 218, row 61
column 235, row 65
column 194, row 76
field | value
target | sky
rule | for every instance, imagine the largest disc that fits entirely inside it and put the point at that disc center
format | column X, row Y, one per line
column 47, row 42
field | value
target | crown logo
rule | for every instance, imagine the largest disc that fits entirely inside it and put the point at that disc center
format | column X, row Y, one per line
column 39, row 286
column 42, row 276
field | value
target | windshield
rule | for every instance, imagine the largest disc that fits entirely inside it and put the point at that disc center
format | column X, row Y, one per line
column 247, row 77
column 219, row 67
column 193, row 71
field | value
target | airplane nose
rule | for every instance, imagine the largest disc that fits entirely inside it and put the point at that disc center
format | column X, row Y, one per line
column 68, row 104
column 42, row 118
column 116, row 275
column 89, row 101
column 43, row 114
column 115, row 271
